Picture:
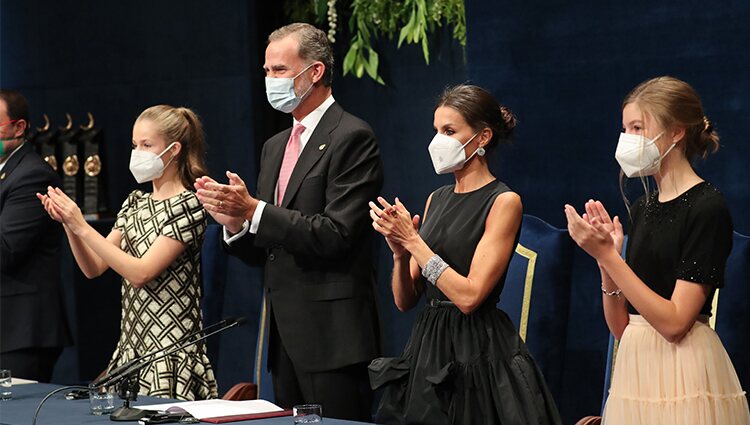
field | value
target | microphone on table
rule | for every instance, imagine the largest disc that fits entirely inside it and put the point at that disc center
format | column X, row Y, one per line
column 126, row 376
column 125, row 372
column 102, row 380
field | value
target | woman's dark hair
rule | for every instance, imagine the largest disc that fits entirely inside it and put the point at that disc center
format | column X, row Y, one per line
column 480, row 110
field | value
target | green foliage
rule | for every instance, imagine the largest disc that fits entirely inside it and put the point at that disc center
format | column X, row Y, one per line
column 306, row 11
column 412, row 20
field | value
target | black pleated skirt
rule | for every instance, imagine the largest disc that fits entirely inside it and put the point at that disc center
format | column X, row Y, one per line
column 463, row 369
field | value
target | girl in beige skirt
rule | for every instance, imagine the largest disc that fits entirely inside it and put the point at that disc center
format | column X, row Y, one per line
column 671, row 367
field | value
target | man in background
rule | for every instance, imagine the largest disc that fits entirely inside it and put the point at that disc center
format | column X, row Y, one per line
column 32, row 321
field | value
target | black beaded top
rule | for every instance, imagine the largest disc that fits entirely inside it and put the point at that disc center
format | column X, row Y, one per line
column 687, row 238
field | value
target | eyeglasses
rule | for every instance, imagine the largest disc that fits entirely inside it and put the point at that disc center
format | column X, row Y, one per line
column 8, row 123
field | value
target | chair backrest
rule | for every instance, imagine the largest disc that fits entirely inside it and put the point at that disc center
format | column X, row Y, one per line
column 536, row 295
column 213, row 283
column 261, row 374
column 731, row 305
column 231, row 288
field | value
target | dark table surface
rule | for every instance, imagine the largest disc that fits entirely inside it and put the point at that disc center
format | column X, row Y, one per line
column 59, row 411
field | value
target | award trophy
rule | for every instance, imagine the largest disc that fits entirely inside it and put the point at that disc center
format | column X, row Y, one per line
column 71, row 167
column 91, row 142
column 45, row 141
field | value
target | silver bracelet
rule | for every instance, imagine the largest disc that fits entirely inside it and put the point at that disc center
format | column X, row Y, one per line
column 434, row 268
column 615, row 293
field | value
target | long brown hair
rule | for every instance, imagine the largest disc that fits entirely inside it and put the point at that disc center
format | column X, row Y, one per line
column 184, row 126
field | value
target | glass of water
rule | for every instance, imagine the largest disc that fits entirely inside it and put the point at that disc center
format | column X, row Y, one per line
column 307, row 414
column 102, row 401
column 6, row 385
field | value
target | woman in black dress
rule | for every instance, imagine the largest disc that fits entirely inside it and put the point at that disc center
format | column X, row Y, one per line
column 465, row 362
column 671, row 368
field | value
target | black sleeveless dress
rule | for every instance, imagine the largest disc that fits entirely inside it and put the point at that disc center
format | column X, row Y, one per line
column 457, row 368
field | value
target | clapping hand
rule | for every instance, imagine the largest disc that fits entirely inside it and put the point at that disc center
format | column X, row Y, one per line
column 49, row 206
column 395, row 223
column 596, row 210
column 62, row 209
column 229, row 204
column 595, row 234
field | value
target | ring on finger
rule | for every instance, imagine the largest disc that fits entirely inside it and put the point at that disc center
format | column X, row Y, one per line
column 221, row 204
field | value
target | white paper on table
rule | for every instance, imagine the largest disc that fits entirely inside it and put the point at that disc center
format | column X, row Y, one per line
column 216, row 408
column 20, row 381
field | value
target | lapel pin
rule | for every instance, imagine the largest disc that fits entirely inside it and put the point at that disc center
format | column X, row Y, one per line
column 321, row 147
column 2, row 176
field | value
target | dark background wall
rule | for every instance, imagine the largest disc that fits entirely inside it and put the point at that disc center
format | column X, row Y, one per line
column 563, row 67
column 114, row 60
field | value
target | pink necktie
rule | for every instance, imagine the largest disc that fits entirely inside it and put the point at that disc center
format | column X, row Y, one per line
column 290, row 160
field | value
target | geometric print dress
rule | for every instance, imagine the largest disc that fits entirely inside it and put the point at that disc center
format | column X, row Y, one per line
column 167, row 308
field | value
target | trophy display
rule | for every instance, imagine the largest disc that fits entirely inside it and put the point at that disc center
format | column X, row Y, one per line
column 71, row 164
column 91, row 144
column 45, row 142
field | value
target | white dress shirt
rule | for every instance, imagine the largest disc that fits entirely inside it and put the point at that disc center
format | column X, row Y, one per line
column 310, row 122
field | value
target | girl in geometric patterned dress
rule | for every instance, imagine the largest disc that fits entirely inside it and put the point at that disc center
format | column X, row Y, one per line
column 155, row 245
column 671, row 368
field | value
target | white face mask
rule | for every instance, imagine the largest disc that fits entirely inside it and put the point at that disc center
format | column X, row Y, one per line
column 280, row 92
column 448, row 154
column 638, row 155
column 147, row 166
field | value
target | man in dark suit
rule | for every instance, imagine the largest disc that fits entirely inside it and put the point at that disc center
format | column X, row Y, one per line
column 32, row 322
column 308, row 226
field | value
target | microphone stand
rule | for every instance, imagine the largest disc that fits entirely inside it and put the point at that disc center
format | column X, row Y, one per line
column 118, row 370
column 128, row 379
column 127, row 374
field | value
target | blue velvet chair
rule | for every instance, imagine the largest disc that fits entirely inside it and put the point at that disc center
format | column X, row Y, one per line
column 536, row 295
column 732, row 308
column 261, row 374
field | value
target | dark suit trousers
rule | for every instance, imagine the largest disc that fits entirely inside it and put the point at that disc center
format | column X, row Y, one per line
column 343, row 393
column 31, row 363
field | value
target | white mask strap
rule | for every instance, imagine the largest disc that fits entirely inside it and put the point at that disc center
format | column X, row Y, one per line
column 469, row 141
column 165, row 151
column 667, row 152
column 306, row 68
column 475, row 150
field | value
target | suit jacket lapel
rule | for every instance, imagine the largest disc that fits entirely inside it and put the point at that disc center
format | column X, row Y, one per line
column 314, row 149
column 13, row 161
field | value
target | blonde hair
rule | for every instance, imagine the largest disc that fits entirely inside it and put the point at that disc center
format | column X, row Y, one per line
column 184, row 126
column 674, row 103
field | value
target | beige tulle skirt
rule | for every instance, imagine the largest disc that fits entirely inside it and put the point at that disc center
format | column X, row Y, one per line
column 655, row 382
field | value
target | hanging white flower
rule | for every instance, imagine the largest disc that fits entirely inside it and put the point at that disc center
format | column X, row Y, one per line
column 332, row 19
